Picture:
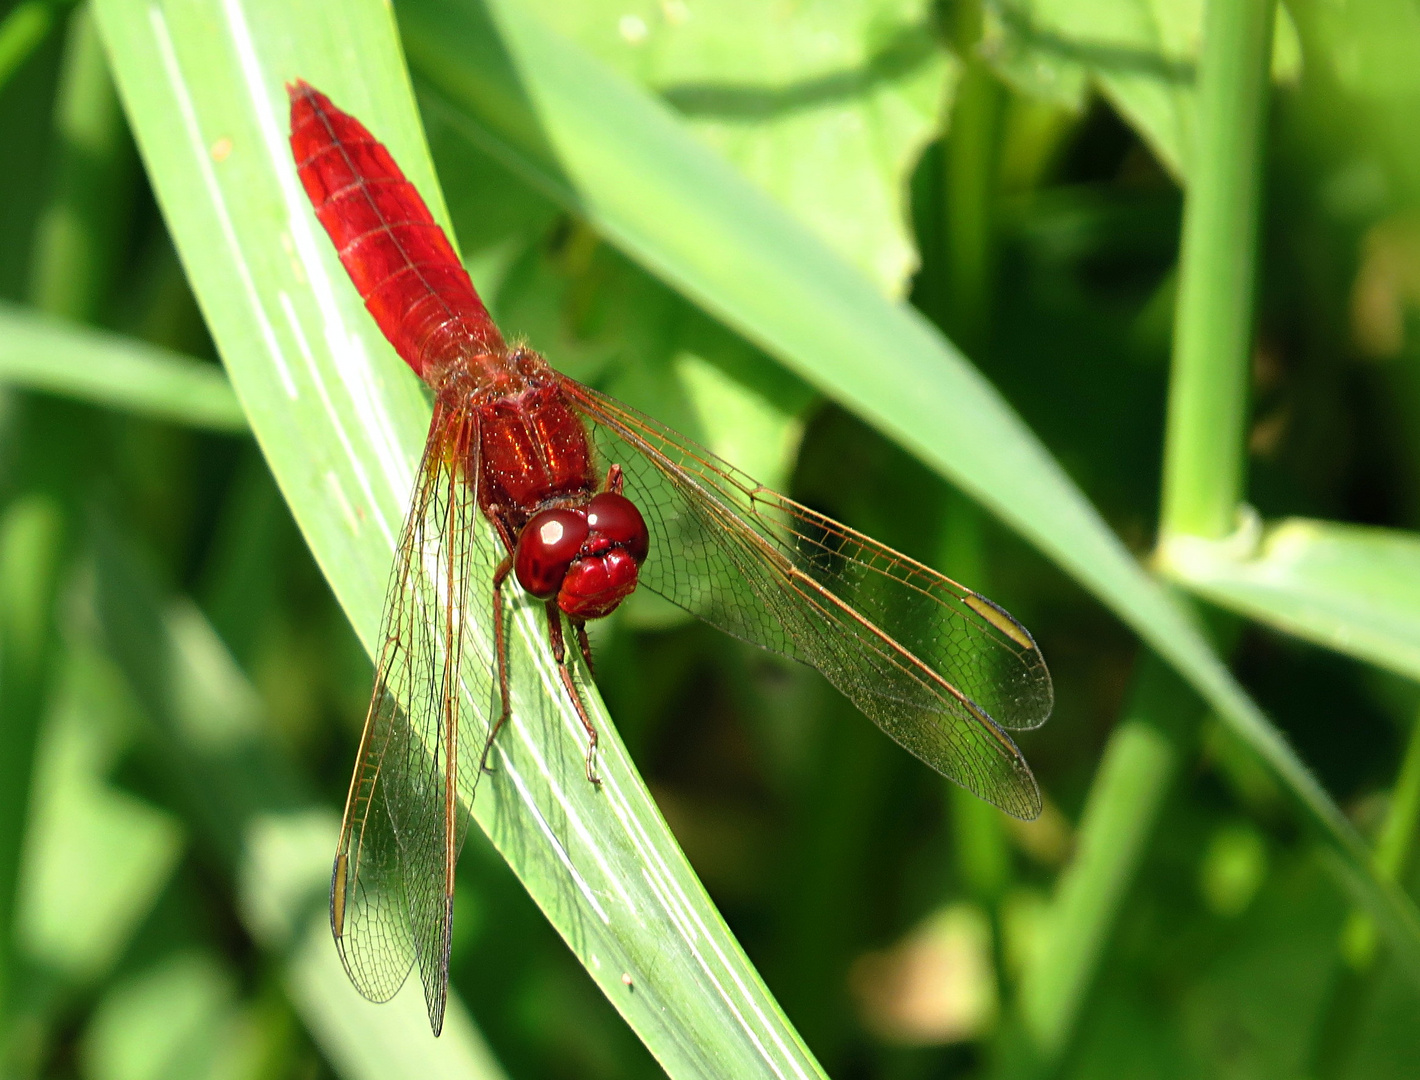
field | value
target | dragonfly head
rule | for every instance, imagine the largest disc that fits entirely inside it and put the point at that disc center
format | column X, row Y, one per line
column 587, row 557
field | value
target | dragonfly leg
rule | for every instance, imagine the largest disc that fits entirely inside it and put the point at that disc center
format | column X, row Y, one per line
column 613, row 479
column 584, row 644
column 500, row 642
column 559, row 653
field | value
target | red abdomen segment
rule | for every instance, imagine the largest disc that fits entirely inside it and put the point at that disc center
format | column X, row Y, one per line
column 401, row 262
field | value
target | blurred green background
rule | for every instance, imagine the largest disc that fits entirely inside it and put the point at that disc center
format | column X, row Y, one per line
column 173, row 660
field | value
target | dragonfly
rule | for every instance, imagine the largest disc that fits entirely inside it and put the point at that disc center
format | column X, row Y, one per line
column 589, row 500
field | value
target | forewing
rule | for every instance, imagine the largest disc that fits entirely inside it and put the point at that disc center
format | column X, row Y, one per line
column 392, row 893
column 937, row 666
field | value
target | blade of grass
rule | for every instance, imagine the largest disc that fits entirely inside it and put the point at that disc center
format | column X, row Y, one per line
column 58, row 357
column 1139, row 764
column 31, row 560
column 618, row 157
column 77, row 240
column 341, row 422
column 241, row 795
column 1395, row 848
column 1347, row 587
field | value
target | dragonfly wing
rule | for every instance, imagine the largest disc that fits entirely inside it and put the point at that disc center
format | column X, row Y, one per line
column 392, row 890
column 937, row 666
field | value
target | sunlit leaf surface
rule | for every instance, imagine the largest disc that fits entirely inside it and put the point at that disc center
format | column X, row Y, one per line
column 825, row 106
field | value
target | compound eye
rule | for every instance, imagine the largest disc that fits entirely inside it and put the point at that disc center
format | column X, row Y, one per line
column 615, row 518
column 546, row 548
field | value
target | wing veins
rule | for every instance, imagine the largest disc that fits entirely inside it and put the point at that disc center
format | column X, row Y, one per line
column 939, row 694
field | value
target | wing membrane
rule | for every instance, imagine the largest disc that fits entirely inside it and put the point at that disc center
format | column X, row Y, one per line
column 392, row 889
column 937, row 666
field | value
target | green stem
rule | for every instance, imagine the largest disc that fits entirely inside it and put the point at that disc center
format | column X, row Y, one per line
column 31, row 546
column 980, row 845
column 1123, row 805
column 1203, row 460
column 1396, row 845
column 823, row 900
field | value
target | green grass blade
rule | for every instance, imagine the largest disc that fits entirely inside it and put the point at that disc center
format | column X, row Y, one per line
column 32, row 534
column 341, row 422
column 619, row 157
column 58, row 357
column 1126, row 795
column 1347, row 587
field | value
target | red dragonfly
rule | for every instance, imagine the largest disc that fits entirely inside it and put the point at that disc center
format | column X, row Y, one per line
column 590, row 499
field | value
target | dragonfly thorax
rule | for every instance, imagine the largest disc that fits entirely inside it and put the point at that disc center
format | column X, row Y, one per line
column 533, row 451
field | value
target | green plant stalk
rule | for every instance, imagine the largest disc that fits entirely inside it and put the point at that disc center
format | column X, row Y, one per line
column 1128, row 790
column 1395, row 847
column 31, row 559
column 77, row 238
column 1207, row 408
column 980, row 848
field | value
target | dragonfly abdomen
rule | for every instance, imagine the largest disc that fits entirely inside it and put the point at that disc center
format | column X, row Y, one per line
column 401, row 262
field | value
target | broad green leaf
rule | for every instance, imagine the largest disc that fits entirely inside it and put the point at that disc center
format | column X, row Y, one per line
column 43, row 353
column 826, row 106
column 342, row 422
column 1347, row 587
column 625, row 162
column 1141, row 54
